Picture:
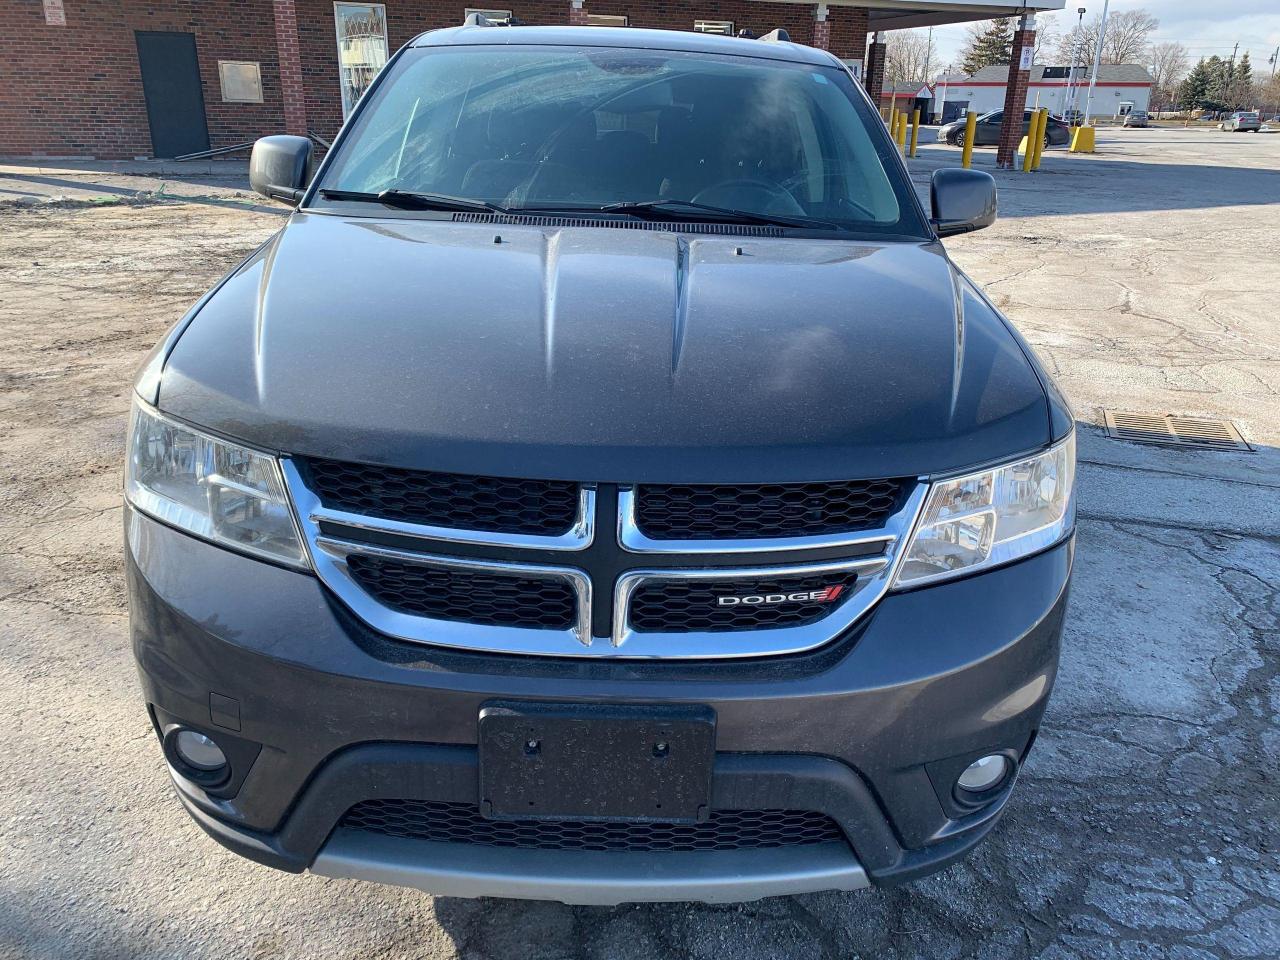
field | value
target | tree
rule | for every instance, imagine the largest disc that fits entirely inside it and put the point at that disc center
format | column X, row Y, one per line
column 1128, row 36
column 1168, row 62
column 1127, row 39
column 1240, row 93
column 909, row 55
column 1047, row 39
column 1194, row 89
column 988, row 45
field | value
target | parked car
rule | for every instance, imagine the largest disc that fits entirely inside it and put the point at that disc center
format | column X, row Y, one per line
column 1073, row 118
column 1136, row 118
column 1241, row 122
column 588, row 494
column 1057, row 132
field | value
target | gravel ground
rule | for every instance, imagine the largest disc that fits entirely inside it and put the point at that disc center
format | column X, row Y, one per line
column 1144, row 826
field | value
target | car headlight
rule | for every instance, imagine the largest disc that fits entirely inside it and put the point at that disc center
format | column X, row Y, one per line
column 217, row 490
column 985, row 519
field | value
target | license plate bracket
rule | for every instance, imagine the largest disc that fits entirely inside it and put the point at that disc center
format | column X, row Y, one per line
column 548, row 761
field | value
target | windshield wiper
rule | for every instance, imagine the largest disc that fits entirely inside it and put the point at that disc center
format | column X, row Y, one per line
column 407, row 200
column 689, row 209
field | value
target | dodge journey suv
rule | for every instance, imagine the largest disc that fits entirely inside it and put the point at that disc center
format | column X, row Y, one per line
column 604, row 488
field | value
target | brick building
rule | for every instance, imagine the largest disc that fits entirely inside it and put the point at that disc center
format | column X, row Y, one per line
column 139, row 78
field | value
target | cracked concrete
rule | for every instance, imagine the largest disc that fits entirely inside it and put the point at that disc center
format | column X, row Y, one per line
column 1144, row 825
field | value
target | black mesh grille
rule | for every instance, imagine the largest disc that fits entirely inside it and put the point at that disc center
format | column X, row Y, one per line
column 542, row 507
column 684, row 606
column 724, row 511
column 466, row 595
column 461, row 823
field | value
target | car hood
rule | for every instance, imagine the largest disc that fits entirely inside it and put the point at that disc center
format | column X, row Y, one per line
column 602, row 353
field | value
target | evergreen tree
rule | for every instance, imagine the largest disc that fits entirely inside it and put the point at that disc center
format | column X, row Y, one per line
column 988, row 46
column 1193, row 90
column 1222, row 76
column 1242, row 84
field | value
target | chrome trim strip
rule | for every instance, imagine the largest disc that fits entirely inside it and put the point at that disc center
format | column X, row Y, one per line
column 632, row 539
column 578, row 537
column 878, row 575
column 590, row 877
column 330, row 554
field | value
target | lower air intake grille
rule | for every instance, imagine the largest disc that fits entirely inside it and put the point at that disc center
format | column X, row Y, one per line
column 724, row 511
column 687, row 606
column 538, row 507
column 468, row 596
column 451, row 822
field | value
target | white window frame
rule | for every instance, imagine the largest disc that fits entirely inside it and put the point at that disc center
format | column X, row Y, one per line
column 607, row 20
column 489, row 14
column 347, row 107
column 714, row 26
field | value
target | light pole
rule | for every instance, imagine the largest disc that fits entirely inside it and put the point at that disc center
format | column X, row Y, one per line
column 1097, row 57
column 1077, row 47
column 942, row 103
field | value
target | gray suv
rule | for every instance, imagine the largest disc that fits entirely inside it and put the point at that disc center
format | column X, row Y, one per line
column 603, row 488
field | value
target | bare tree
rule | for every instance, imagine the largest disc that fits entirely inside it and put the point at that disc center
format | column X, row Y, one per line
column 1047, row 38
column 1127, row 41
column 909, row 56
column 1169, row 64
column 1128, row 36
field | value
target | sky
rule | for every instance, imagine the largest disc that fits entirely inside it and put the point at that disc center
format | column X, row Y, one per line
column 1254, row 24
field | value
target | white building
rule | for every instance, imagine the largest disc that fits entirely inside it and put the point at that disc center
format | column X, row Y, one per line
column 1121, row 87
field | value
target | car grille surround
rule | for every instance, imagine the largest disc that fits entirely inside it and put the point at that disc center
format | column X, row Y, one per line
column 460, row 822
column 583, row 594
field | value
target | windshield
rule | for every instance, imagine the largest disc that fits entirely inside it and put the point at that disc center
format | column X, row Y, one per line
column 544, row 127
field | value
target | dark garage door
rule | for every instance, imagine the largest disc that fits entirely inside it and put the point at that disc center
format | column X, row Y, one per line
column 171, row 85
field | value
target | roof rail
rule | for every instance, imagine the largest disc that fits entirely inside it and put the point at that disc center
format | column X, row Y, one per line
column 777, row 36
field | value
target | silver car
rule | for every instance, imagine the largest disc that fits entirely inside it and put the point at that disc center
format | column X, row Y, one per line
column 1241, row 122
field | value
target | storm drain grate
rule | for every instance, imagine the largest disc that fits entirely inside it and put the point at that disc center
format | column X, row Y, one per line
column 1174, row 431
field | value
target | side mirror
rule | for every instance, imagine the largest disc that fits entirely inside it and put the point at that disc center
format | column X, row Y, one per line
column 278, row 167
column 962, row 201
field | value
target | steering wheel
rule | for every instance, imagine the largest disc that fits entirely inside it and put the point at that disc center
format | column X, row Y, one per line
column 760, row 196
column 829, row 176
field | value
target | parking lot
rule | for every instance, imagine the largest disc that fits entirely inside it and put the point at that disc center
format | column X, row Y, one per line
column 1145, row 824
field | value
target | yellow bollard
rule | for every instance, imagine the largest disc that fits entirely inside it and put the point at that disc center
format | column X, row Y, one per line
column 1024, row 148
column 1082, row 140
column 893, row 122
column 902, row 133
column 915, row 130
column 970, row 131
column 1037, row 145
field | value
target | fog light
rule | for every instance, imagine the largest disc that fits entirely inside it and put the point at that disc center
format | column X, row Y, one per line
column 983, row 774
column 198, row 751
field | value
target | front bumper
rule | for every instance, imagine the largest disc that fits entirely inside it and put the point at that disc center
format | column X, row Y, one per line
column 328, row 714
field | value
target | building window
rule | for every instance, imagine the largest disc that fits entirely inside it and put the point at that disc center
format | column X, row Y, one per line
column 714, row 26
column 241, row 81
column 362, row 47
column 489, row 14
column 605, row 20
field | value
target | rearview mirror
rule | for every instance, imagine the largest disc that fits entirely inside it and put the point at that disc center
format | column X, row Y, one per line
column 962, row 201
column 278, row 167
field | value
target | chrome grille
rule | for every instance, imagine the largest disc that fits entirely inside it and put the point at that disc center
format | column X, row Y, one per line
column 686, row 606
column 774, row 510
column 455, row 822
column 467, row 595
column 501, row 590
column 500, row 504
